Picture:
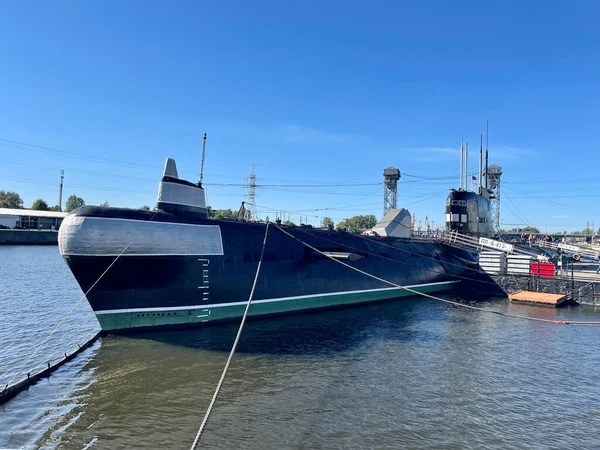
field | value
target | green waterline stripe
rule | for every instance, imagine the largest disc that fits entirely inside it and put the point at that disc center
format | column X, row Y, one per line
column 270, row 300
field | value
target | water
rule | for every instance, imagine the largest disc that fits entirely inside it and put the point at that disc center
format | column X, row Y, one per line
column 413, row 373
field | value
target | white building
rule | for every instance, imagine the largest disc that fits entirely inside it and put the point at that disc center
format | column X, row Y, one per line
column 30, row 219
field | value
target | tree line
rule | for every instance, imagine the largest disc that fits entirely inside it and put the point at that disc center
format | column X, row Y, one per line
column 534, row 230
column 353, row 223
column 10, row 199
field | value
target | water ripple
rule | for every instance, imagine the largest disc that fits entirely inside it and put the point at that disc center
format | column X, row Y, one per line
column 412, row 373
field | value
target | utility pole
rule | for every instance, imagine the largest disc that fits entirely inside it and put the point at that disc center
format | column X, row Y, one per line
column 62, row 177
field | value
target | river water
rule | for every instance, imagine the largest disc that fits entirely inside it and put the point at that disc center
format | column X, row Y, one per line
column 412, row 373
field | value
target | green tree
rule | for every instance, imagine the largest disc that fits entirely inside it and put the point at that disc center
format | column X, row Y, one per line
column 587, row 231
column 289, row 223
column 530, row 230
column 358, row 222
column 145, row 208
column 343, row 224
column 325, row 222
column 74, row 202
column 40, row 205
column 9, row 199
column 222, row 214
column 105, row 204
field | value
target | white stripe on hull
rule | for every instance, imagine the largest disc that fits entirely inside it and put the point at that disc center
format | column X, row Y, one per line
column 268, row 300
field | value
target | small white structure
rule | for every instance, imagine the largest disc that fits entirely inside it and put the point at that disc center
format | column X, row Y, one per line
column 31, row 219
column 519, row 264
column 492, row 262
column 396, row 222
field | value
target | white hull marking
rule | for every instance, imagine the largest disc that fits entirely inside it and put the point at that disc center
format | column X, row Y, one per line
column 100, row 236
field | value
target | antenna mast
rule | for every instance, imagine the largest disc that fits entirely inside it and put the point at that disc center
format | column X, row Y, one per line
column 202, row 163
column 466, row 166
column 480, row 162
column 461, row 164
column 487, row 134
column 62, row 177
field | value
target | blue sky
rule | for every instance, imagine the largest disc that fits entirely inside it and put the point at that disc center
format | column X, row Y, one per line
column 311, row 92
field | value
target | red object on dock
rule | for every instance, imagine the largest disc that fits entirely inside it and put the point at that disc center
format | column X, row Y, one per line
column 543, row 269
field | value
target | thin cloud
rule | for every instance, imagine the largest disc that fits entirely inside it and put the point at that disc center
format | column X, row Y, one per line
column 278, row 134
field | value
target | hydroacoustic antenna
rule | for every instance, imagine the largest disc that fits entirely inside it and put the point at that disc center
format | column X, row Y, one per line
column 202, row 163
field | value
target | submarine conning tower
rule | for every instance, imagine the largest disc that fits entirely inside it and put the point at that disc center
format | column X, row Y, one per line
column 180, row 197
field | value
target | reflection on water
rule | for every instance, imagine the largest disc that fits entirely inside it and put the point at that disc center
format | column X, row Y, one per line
column 313, row 333
column 412, row 373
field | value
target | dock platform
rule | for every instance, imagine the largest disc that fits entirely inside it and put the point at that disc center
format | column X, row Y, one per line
column 538, row 298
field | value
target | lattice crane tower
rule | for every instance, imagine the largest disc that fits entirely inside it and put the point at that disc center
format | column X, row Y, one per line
column 492, row 175
column 391, row 175
column 250, row 210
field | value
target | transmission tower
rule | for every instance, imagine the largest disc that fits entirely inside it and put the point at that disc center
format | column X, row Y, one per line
column 391, row 175
column 493, row 174
column 251, row 197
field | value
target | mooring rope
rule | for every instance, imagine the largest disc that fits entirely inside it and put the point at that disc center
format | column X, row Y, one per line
column 231, row 353
column 437, row 271
column 81, row 298
column 450, row 302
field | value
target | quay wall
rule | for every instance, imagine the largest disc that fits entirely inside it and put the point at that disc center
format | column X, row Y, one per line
column 28, row 237
column 580, row 291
